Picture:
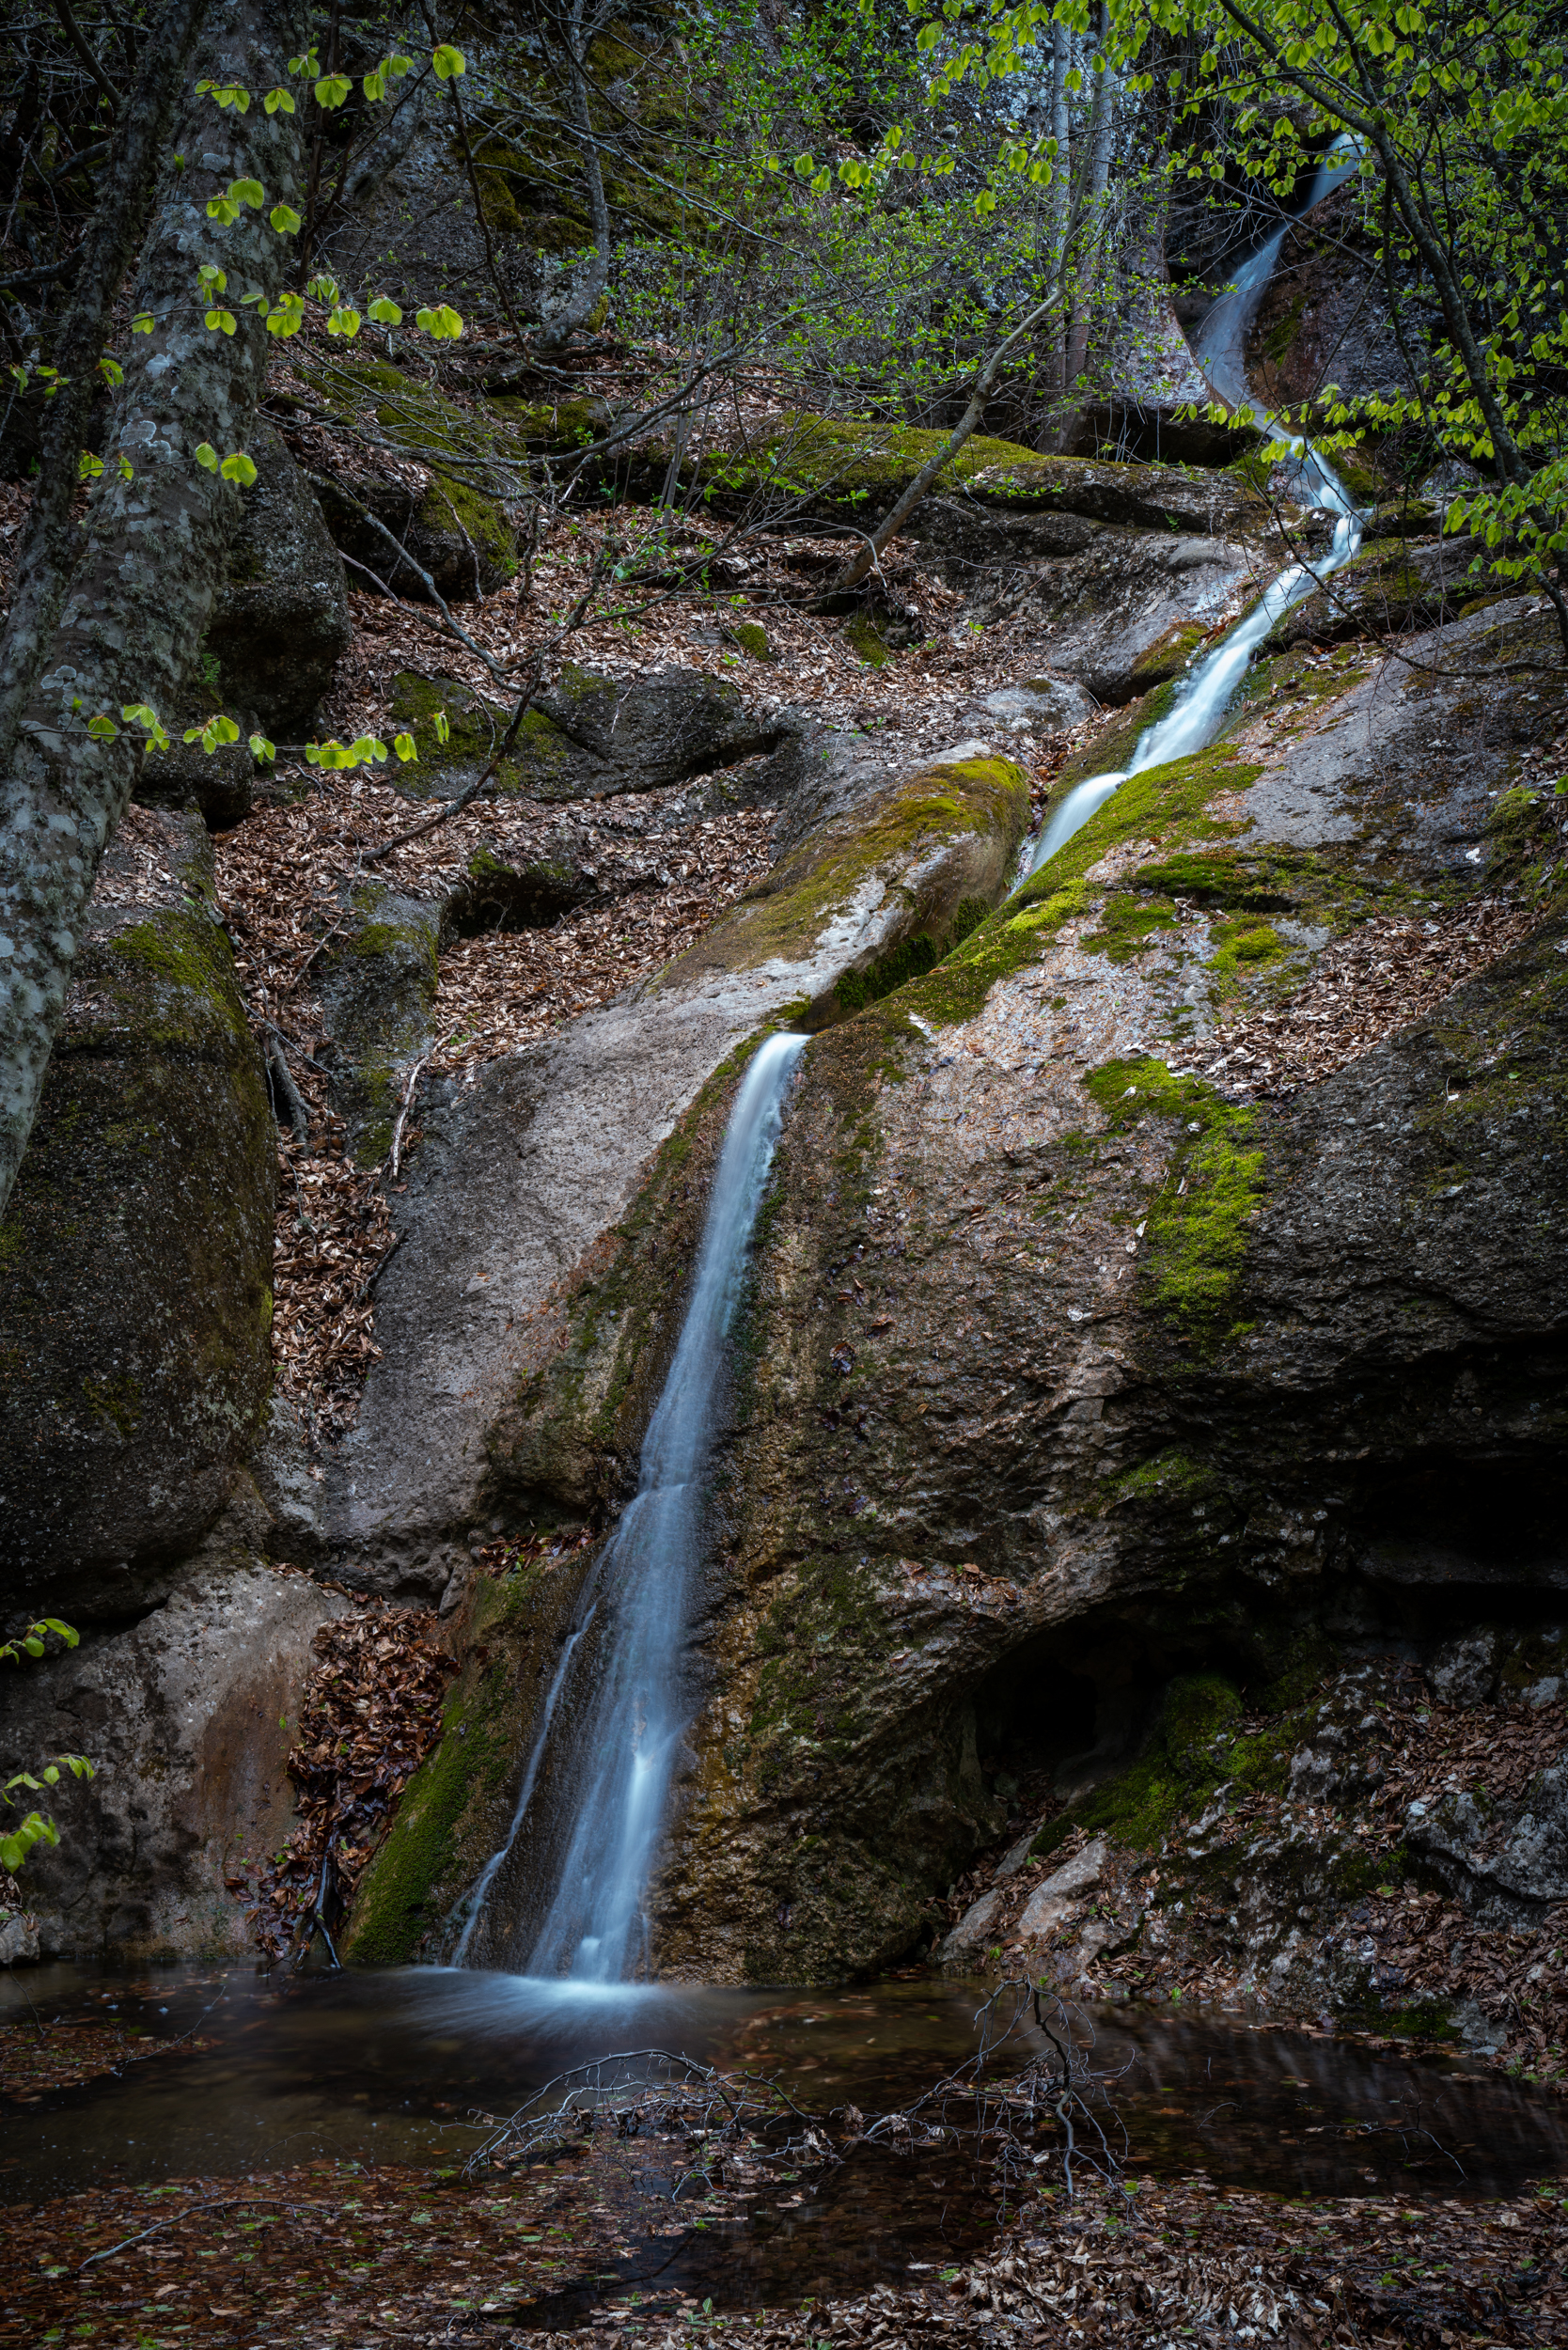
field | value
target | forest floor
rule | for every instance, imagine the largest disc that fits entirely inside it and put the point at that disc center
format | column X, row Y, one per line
column 385, row 2258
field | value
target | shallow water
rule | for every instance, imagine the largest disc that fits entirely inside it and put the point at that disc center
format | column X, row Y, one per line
column 390, row 2067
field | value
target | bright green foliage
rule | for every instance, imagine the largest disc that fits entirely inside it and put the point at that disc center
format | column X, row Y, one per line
column 1461, row 119
column 35, row 1827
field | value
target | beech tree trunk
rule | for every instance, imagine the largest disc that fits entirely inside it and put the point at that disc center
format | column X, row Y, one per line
column 1102, row 125
column 138, row 603
column 1062, row 171
column 108, row 249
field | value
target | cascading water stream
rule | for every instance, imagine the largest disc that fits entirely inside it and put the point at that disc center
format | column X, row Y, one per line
column 1200, row 706
column 618, row 1736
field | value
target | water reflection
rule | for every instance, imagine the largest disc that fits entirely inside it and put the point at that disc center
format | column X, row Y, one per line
column 391, row 2066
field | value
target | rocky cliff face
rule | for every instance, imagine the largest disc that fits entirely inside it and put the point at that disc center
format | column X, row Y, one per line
column 1159, row 1285
column 1113, row 1321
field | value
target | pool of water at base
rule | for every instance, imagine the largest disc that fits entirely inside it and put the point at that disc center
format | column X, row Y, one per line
column 390, row 2067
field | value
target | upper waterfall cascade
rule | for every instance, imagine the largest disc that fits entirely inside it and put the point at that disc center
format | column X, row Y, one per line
column 619, row 1704
column 1202, row 701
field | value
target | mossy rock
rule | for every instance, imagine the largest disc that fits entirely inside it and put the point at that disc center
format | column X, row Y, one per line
column 378, row 988
column 135, row 1260
column 1169, row 655
column 959, row 825
column 1168, row 805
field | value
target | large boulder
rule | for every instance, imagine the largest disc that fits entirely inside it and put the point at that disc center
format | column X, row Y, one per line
column 1136, row 1369
column 135, row 1256
column 590, row 735
column 188, row 1718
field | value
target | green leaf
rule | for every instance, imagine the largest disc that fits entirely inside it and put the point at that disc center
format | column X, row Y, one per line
column 279, row 101
column 443, row 727
column 405, row 747
column 331, row 89
column 384, row 312
column 110, row 370
column 449, row 62
column 221, row 322
column 88, row 467
column 284, row 219
column 207, row 455
column 239, row 467
column 249, row 192
column 307, row 63
column 323, row 289
column 101, row 730
column 443, row 322
column 289, row 317
column 127, row 470
column 262, row 750
column 143, row 324
column 343, row 321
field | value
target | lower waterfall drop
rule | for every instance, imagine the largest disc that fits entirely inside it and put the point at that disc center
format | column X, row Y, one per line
column 614, row 1751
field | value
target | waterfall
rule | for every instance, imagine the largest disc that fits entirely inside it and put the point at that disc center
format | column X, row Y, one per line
column 620, row 1735
column 1201, row 702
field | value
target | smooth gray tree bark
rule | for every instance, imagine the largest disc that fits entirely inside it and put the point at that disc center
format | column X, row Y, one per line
column 125, row 196
column 138, row 603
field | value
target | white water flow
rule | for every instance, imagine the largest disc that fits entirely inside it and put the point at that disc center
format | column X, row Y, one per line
column 622, row 1739
column 525, row 1793
column 1196, row 716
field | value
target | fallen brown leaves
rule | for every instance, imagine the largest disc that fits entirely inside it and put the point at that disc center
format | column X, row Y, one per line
column 1379, row 978
column 283, row 879
column 372, row 1712
column 37, row 2057
column 332, row 2253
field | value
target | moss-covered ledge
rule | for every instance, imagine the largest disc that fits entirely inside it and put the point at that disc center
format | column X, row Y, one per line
column 928, row 857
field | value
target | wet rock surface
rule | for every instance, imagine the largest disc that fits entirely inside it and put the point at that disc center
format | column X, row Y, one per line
column 1075, row 1367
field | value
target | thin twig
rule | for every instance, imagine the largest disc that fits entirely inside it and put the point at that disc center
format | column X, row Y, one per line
column 404, row 1106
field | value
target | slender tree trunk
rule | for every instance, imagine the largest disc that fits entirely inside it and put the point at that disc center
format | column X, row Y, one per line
column 125, row 197
column 1062, row 171
column 139, row 600
column 565, row 322
column 1101, row 127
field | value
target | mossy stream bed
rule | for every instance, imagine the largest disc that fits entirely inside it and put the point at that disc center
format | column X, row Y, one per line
column 233, row 2075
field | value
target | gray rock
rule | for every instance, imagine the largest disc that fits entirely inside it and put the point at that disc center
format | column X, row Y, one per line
column 640, row 733
column 968, row 1936
column 1016, row 1856
column 135, row 1287
column 188, row 1718
column 221, row 783
column 1048, row 705
column 19, row 1937
column 1055, row 1898
column 281, row 623
column 1464, row 1671
column 1534, row 1861
column 589, row 736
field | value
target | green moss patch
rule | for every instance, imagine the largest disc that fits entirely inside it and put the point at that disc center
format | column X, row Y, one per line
column 1163, row 803
column 1197, row 1226
column 975, row 796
